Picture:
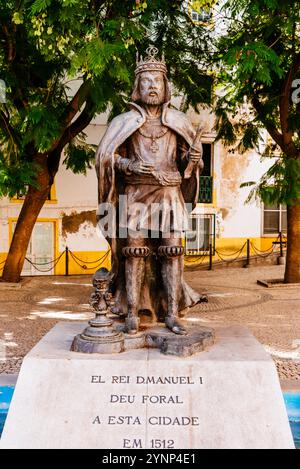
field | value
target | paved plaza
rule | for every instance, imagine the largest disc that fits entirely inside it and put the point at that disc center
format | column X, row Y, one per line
column 271, row 314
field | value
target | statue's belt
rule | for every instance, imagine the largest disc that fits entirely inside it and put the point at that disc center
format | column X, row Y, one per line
column 159, row 178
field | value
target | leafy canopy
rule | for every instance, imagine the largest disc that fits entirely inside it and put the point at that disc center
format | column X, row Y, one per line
column 258, row 61
column 64, row 61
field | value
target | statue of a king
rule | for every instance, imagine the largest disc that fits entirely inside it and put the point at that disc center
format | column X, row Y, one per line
column 148, row 165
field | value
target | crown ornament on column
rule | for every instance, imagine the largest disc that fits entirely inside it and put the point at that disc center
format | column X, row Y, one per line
column 150, row 63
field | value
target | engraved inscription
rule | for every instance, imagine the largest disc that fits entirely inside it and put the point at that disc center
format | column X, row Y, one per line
column 169, row 403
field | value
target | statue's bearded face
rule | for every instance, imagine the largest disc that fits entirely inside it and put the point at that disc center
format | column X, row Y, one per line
column 152, row 87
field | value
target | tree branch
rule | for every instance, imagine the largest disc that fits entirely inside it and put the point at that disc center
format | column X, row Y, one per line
column 74, row 105
column 8, row 129
column 11, row 49
column 275, row 134
column 74, row 129
column 289, row 149
column 79, row 125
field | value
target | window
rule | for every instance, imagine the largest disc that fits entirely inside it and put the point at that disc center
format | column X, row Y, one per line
column 201, row 234
column 198, row 13
column 206, row 179
column 207, row 159
column 203, row 16
column 40, row 249
column 274, row 219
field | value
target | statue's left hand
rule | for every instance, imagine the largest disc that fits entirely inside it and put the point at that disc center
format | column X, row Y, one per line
column 195, row 154
column 192, row 165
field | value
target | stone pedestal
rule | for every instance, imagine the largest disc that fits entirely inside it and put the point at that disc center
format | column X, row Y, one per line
column 225, row 397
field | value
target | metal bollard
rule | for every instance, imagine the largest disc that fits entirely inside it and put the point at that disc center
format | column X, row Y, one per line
column 67, row 262
column 210, row 257
column 248, row 254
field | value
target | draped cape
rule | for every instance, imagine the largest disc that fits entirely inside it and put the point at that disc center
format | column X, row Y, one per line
column 153, row 300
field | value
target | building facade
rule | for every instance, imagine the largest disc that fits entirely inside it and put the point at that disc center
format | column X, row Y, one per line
column 221, row 218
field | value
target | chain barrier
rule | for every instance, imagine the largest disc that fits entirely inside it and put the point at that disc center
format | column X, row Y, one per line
column 263, row 253
column 269, row 250
column 222, row 254
column 259, row 251
column 101, row 260
column 228, row 261
column 80, row 262
column 45, row 263
column 43, row 270
column 86, row 262
column 199, row 259
column 231, row 254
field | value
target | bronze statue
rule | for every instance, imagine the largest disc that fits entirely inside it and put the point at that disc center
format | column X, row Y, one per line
column 152, row 156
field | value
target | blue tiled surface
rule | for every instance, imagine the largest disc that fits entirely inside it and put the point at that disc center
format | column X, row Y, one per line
column 6, row 393
column 292, row 402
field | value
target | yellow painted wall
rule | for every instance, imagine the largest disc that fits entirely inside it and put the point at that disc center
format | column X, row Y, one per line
column 2, row 258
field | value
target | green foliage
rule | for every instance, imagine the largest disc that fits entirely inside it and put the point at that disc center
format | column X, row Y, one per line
column 253, row 59
column 40, row 5
column 79, row 155
column 279, row 185
column 250, row 137
column 14, row 178
column 40, row 127
column 185, row 47
column 45, row 44
column 224, row 126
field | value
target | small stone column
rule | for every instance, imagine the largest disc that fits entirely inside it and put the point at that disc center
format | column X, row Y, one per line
column 100, row 336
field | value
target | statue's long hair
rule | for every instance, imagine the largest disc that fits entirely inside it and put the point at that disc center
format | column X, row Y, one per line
column 135, row 96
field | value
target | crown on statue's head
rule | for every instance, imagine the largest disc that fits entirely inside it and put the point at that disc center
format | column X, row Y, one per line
column 150, row 63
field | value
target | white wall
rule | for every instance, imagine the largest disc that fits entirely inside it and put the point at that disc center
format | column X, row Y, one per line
column 78, row 193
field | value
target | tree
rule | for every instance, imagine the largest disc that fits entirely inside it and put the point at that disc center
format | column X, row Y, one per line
column 257, row 60
column 46, row 43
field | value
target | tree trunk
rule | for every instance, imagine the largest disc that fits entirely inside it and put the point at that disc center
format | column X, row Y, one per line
column 292, row 269
column 33, row 203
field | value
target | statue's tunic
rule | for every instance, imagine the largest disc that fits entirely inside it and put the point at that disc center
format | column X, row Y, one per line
column 155, row 201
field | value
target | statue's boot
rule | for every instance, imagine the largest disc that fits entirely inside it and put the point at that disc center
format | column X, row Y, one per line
column 132, row 322
column 134, row 275
column 172, row 271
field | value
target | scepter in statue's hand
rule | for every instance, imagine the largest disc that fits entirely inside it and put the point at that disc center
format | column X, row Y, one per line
column 195, row 154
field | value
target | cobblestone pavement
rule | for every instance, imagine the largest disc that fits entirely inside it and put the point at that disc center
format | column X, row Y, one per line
column 272, row 315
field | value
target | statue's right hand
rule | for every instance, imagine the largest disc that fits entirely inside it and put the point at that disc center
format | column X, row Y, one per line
column 140, row 167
